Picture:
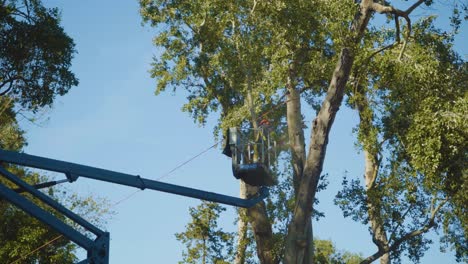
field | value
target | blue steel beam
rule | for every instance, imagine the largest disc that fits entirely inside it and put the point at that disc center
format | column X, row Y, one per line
column 72, row 169
column 43, row 185
column 51, row 202
column 99, row 254
column 45, row 217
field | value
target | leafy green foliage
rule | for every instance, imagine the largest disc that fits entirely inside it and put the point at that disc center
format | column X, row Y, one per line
column 35, row 54
column 326, row 253
column 204, row 241
column 414, row 125
column 216, row 51
column 11, row 134
column 35, row 60
column 20, row 233
column 428, row 127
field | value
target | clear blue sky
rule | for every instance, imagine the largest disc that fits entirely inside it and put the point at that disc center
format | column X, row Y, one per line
column 113, row 120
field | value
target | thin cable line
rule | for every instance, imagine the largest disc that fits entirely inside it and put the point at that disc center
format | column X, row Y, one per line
column 169, row 172
column 158, row 178
column 187, row 161
column 123, row 199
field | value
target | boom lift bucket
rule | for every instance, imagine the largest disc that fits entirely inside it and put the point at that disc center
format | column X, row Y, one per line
column 251, row 153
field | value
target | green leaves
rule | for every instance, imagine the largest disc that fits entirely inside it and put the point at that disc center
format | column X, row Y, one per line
column 35, row 61
column 412, row 100
column 215, row 50
column 21, row 234
column 222, row 53
column 35, row 54
column 326, row 253
column 205, row 242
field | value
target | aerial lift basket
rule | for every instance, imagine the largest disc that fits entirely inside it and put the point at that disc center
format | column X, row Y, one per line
column 252, row 152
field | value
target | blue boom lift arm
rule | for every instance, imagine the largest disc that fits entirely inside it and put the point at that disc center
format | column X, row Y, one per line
column 98, row 249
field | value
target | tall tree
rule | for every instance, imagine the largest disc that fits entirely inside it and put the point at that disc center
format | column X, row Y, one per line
column 216, row 59
column 240, row 58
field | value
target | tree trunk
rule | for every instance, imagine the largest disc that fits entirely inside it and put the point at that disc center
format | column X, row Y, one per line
column 297, row 233
column 261, row 227
column 296, row 240
column 297, row 148
column 257, row 214
column 295, row 133
column 310, row 249
column 379, row 236
column 242, row 228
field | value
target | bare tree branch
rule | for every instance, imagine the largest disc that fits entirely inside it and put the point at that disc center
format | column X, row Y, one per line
column 397, row 29
column 382, row 9
column 10, row 82
column 430, row 223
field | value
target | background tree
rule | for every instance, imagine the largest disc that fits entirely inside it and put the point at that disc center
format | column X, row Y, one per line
column 35, row 54
column 35, row 57
column 20, row 233
column 205, row 242
column 326, row 253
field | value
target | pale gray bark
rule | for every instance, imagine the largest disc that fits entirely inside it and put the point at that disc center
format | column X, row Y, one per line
column 379, row 236
column 297, row 232
column 295, row 133
column 298, row 154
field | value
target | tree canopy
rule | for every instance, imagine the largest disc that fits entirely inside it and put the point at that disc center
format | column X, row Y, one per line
column 35, row 61
column 35, row 54
column 251, row 59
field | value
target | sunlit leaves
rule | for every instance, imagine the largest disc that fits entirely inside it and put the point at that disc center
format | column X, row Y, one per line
column 216, row 50
column 415, row 125
column 326, row 253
